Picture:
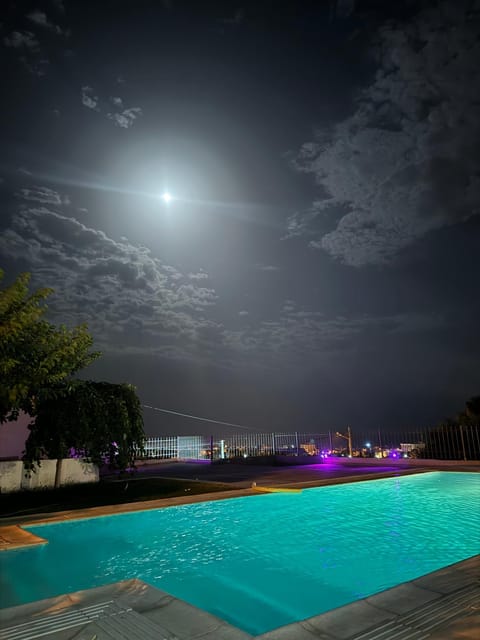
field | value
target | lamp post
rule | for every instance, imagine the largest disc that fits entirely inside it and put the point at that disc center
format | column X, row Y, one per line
column 348, row 438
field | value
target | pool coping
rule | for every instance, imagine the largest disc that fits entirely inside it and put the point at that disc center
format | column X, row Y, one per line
column 441, row 605
column 372, row 617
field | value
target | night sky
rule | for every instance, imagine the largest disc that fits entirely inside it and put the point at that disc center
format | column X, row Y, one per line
column 319, row 262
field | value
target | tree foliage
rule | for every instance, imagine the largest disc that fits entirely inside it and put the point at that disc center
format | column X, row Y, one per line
column 456, row 438
column 35, row 355
column 471, row 414
column 101, row 421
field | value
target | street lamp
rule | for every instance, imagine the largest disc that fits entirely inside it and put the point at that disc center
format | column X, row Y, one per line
column 348, row 438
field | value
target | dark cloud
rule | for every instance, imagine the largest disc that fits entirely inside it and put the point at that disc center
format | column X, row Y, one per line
column 43, row 194
column 40, row 18
column 405, row 163
column 135, row 302
column 113, row 285
column 22, row 39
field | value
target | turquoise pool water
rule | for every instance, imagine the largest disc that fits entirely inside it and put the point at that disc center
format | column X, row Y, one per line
column 263, row 561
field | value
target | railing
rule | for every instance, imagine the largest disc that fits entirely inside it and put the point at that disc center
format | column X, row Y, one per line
column 242, row 445
column 458, row 442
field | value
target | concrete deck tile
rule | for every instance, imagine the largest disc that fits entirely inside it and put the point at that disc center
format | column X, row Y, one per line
column 89, row 632
column 467, row 628
column 451, row 578
column 73, row 634
column 183, row 619
column 402, row 599
column 226, row 632
column 142, row 597
column 295, row 631
column 345, row 622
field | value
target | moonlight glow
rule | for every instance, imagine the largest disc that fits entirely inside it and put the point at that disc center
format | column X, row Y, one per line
column 166, row 197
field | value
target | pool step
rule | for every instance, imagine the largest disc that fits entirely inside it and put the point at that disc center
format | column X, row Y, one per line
column 420, row 624
column 115, row 621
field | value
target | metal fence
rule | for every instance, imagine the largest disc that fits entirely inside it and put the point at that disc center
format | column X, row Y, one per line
column 458, row 442
column 242, row 445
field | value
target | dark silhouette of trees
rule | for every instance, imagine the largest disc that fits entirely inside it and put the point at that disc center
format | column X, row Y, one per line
column 456, row 438
column 99, row 421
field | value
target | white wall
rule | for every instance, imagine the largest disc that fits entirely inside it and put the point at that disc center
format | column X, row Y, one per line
column 13, row 476
column 75, row 471
column 42, row 478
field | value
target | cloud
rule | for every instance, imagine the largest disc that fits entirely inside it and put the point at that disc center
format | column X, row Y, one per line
column 126, row 118
column 201, row 275
column 405, row 163
column 305, row 337
column 58, row 4
column 40, row 18
column 243, row 313
column 89, row 99
column 131, row 300
column 22, row 39
column 43, row 194
column 116, row 101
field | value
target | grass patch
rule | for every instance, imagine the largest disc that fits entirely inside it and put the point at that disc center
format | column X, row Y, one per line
column 105, row 492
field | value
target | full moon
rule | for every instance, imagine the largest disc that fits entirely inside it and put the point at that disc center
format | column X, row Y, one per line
column 166, row 197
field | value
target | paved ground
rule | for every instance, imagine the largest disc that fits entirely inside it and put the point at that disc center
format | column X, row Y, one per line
column 242, row 475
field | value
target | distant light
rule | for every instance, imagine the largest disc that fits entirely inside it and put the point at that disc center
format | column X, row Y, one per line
column 167, row 197
column 368, row 445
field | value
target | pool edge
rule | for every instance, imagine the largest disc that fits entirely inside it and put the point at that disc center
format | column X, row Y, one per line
column 444, row 600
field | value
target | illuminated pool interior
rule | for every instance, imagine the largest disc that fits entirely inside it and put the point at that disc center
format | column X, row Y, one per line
column 263, row 561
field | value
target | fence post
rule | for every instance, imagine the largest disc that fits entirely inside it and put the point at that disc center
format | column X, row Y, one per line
column 296, row 442
column 463, row 443
column 211, row 448
column 273, row 444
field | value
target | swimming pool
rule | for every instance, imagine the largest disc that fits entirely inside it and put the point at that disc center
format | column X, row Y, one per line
column 263, row 561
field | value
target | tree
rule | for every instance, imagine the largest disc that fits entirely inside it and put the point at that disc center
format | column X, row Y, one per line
column 471, row 415
column 101, row 421
column 456, row 439
column 35, row 355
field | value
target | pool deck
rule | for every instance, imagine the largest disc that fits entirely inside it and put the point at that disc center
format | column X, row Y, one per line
column 444, row 605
